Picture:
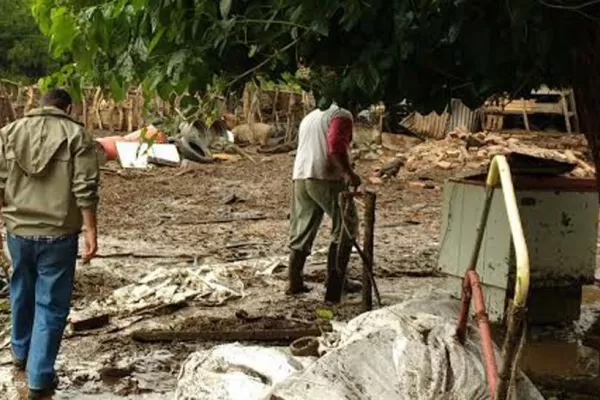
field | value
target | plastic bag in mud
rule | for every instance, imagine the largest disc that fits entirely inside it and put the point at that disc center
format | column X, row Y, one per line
column 407, row 351
column 234, row 372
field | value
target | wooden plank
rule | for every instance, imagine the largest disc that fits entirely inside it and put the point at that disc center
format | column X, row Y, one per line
column 249, row 335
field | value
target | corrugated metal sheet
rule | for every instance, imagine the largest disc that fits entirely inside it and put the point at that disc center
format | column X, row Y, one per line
column 462, row 117
column 431, row 126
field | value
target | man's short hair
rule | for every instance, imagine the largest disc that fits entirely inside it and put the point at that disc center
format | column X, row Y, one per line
column 59, row 98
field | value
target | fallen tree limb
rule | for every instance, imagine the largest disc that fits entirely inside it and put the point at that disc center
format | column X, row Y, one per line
column 148, row 255
column 262, row 335
column 223, row 220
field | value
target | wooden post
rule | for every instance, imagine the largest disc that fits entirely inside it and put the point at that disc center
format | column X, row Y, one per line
column 565, row 109
column 368, row 246
column 574, row 110
column 525, row 117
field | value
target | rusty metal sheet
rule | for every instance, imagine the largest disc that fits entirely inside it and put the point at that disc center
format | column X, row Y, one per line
column 430, row 126
column 462, row 116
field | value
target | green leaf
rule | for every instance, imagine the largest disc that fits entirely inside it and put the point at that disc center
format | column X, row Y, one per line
column 225, row 6
column 119, row 7
column 324, row 313
column 63, row 31
column 139, row 4
column 252, row 50
column 176, row 61
column 159, row 34
column 297, row 13
column 116, row 89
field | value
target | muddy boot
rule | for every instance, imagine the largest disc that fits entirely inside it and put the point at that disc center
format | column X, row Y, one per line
column 351, row 285
column 337, row 264
column 295, row 269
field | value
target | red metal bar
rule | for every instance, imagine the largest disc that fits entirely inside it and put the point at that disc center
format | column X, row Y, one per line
column 465, row 305
column 472, row 289
column 487, row 345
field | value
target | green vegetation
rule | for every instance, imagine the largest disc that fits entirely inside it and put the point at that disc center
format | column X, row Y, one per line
column 23, row 49
column 356, row 51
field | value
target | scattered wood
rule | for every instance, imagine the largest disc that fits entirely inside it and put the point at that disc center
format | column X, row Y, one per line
column 90, row 323
column 259, row 335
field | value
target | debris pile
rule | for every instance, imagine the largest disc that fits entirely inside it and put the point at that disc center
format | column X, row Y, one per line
column 208, row 285
column 212, row 285
column 472, row 152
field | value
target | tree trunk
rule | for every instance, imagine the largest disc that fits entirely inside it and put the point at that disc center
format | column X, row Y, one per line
column 586, row 85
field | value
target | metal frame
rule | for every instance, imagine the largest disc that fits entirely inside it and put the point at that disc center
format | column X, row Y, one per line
column 499, row 383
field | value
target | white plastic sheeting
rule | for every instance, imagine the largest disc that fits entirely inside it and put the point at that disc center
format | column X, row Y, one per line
column 234, row 372
column 407, row 351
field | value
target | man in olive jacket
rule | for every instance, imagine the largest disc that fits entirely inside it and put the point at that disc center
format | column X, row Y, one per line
column 49, row 189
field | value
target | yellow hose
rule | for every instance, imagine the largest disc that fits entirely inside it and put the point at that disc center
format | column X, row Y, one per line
column 499, row 172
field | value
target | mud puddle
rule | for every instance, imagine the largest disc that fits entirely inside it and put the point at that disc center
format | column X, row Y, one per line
column 564, row 361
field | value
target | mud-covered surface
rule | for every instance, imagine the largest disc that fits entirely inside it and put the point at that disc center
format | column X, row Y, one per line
column 232, row 213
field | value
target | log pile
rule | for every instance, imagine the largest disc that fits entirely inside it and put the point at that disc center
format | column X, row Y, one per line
column 463, row 152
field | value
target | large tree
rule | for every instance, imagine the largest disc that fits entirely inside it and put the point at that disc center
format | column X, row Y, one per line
column 357, row 51
column 23, row 48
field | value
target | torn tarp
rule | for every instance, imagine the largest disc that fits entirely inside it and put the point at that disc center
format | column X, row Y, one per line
column 404, row 352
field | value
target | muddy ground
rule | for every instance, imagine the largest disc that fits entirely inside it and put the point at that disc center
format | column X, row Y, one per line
column 231, row 212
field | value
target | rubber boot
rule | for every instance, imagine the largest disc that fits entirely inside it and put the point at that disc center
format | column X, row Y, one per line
column 350, row 286
column 295, row 269
column 337, row 265
column 353, row 285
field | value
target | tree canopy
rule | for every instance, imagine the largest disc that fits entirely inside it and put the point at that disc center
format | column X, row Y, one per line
column 356, row 50
column 23, row 48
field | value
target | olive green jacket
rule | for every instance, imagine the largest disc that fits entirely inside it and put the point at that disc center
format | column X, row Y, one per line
column 48, row 173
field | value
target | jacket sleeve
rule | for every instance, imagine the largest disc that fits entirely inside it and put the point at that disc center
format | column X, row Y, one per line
column 86, row 174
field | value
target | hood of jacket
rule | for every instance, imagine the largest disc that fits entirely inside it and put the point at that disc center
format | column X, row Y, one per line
column 35, row 139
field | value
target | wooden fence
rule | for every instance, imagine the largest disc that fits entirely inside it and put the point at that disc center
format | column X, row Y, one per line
column 282, row 108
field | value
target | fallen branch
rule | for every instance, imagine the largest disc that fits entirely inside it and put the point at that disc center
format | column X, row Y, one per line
column 223, row 220
column 263, row 335
column 147, row 255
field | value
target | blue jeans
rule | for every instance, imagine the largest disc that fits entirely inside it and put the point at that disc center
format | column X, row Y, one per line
column 40, row 297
